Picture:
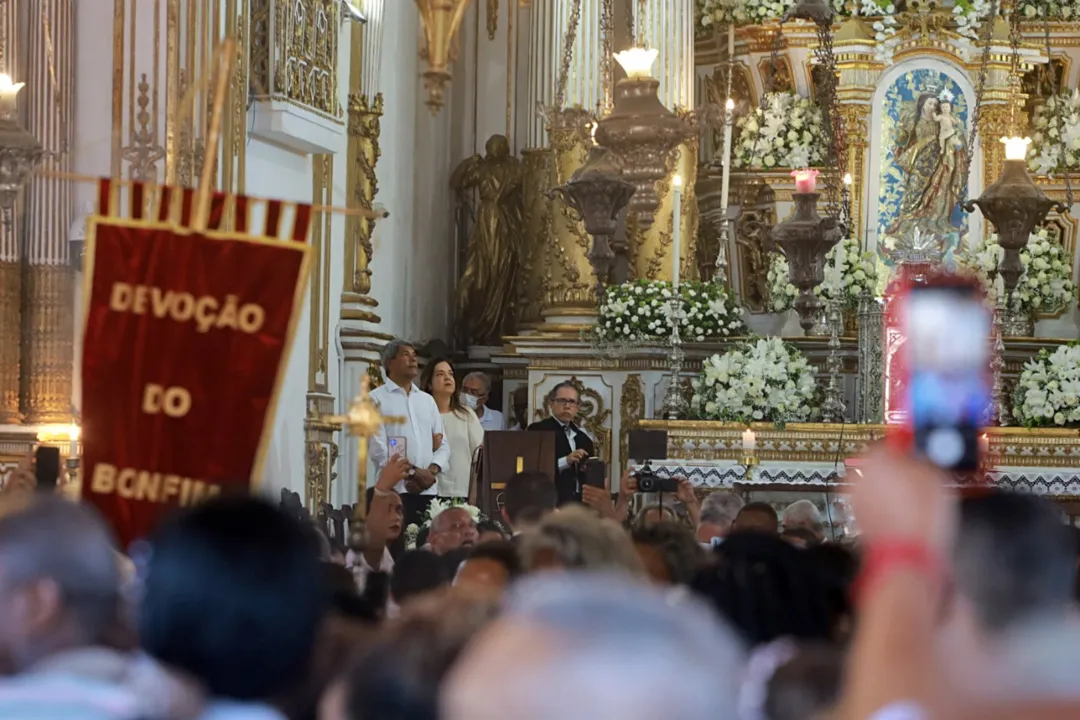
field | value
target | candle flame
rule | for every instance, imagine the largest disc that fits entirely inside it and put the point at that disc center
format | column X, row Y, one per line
column 677, row 181
column 730, row 104
column 847, row 179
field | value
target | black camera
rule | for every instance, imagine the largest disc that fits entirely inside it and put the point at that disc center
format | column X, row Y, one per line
column 650, row 482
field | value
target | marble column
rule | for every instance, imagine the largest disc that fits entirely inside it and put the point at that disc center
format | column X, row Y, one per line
column 10, row 272
column 48, row 279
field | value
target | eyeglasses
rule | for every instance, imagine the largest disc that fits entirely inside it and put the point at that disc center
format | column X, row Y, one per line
column 566, row 402
column 474, row 393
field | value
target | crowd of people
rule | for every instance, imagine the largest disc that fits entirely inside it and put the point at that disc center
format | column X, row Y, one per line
column 571, row 603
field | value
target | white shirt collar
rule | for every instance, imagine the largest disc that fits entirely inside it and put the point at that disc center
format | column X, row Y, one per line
column 394, row 387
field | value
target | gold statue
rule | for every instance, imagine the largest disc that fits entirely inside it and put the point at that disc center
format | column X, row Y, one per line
column 486, row 290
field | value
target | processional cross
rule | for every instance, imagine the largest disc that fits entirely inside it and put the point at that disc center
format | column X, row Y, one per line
column 362, row 420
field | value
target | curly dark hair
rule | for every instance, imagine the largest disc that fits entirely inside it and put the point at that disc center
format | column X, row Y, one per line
column 429, row 374
column 676, row 545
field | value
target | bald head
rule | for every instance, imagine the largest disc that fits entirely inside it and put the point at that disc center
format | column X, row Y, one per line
column 60, row 558
column 611, row 646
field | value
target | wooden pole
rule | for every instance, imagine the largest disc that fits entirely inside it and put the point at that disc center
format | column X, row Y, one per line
column 226, row 54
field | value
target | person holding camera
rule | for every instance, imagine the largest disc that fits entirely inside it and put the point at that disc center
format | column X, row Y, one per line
column 572, row 445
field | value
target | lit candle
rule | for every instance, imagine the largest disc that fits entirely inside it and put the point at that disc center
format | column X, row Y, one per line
column 725, row 182
column 984, row 445
column 73, row 436
column 520, row 464
column 637, row 62
column 676, row 219
column 847, row 180
column 749, row 440
column 8, row 91
column 805, row 180
column 1016, row 147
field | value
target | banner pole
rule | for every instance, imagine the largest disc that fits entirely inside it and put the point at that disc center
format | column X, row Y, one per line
column 226, row 53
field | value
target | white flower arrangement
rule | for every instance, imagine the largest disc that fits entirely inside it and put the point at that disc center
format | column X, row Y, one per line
column 858, row 272
column 782, row 293
column 742, row 12
column 640, row 311
column 1046, row 286
column 884, row 25
column 1059, row 9
column 969, row 16
column 436, row 508
column 1048, row 390
column 763, row 380
column 786, row 134
column 1055, row 121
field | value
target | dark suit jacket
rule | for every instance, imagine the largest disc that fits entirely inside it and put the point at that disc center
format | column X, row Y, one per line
column 567, row 486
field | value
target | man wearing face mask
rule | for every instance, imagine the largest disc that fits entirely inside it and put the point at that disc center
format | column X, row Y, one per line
column 475, row 394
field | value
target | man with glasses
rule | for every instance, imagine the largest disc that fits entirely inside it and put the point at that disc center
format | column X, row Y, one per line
column 572, row 445
column 475, row 391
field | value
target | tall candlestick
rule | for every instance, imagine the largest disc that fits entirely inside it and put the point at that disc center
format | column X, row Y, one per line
column 676, row 220
column 725, row 185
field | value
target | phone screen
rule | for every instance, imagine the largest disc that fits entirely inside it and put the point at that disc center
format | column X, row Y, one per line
column 948, row 335
column 397, row 445
column 47, row 467
column 595, row 472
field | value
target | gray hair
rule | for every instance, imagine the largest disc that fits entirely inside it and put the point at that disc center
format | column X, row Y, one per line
column 559, row 386
column 721, row 508
column 603, row 630
column 581, row 541
column 391, row 349
column 481, row 376
column 802, row 513
column 66, row 543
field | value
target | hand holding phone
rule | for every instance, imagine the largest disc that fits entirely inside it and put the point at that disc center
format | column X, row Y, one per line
column 397, row 445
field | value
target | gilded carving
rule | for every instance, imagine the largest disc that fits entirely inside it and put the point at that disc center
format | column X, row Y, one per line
column 47, row 344
column 487, row 288
column 321, row 452
column 631, row 412
column 779, row 77
column 375, row 375
column 994, row 124
column 534, row 282
column 492, row 18
column 10, row 315
column 294, row 56
column 757, row 215
column 144, row 152
column 364, row 130
column 856, row 121
column 571, row 282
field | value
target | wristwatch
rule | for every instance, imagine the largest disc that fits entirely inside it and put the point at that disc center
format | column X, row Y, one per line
column 436, row 469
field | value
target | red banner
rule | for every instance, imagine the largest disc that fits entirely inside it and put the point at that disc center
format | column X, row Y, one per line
column 184, row 349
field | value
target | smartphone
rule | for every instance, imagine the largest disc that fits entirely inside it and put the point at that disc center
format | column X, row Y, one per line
column 595, row 473
column 397, row 445
column 47, row 468
column 947, row 328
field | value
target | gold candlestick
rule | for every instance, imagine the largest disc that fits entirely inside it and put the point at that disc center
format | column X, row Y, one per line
column 362, row 421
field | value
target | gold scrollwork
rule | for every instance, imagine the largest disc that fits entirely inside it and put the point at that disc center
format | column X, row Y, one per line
column 299, row 63
column 631, row 412
column 364, row 130
column 374, row 373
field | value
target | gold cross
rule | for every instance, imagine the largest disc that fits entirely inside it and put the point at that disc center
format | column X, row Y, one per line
column 363, row 420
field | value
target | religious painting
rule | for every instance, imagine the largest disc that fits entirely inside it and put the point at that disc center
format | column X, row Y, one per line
column 776, row 77
column 924, row 126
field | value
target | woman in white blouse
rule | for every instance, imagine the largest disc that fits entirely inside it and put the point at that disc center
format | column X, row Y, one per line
column 464, row 433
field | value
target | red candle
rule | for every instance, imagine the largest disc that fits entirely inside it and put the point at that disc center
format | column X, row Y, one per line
column 805, row 180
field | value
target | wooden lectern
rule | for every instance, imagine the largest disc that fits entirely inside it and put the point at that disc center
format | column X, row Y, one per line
column 506, row 453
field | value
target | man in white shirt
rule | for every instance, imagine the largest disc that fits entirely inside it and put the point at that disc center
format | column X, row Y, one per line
column 419, row 437
column 475, row 392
